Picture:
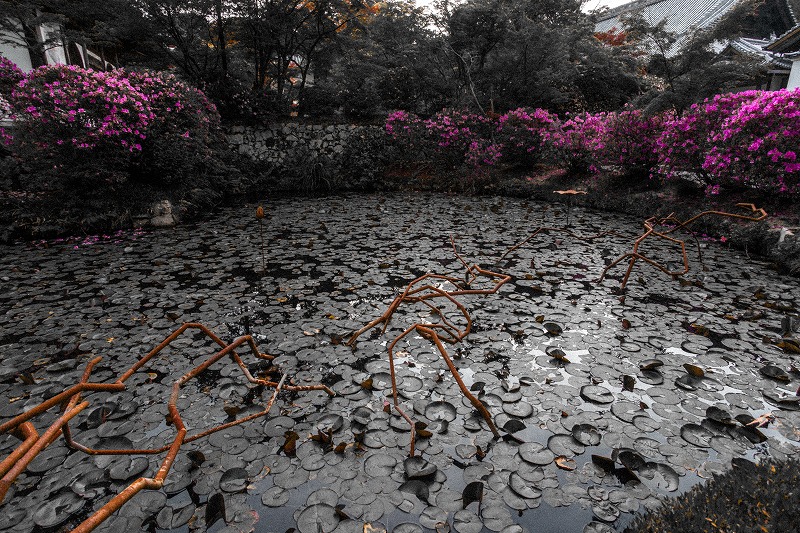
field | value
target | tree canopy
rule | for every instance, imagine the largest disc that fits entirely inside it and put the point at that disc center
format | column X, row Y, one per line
column 258, row 58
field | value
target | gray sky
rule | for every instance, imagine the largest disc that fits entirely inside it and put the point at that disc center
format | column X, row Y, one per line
column 588, row 6
column 595, row 4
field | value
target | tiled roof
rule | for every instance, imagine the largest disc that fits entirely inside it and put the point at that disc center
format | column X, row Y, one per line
column 756, row 47
column 788, row 43
column 681, row 15
column 794, row 8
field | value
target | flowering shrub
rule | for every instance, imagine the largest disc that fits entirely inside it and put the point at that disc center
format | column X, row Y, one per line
column 518, row 137
column 758, row 144
column 524, row 134
column 177, row 108
column 462, row 137
column 581, row 141
column 630, row 140
column 110, row 143
column 451, row 138
column 687, row 139
column 403, row 127
column 65, row 110
column 749, row 138
column 184, row 127
column 10, row 76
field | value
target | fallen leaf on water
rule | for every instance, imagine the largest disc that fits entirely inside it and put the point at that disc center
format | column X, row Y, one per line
column 323, row 437
column 789, row 346
column 26, row 378
column 340, row 448
column 231, row 410
column 693, row 370
column 421, row 429
column 565, row 463
column 369, row 528
column 290, row 446
column 628, row 382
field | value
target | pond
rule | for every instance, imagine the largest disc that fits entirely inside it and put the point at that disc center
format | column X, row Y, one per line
column 605, row 402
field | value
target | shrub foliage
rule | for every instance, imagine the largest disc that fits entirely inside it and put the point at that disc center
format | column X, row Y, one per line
column 747, row 139
column 106, row 144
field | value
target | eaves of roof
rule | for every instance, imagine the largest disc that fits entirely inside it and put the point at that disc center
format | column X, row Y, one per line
column 789, row 42
column 756, row 47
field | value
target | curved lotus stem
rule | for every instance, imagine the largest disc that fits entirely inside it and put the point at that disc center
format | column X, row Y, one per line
column 71, row 404
column 422, row 290
column 650, row 229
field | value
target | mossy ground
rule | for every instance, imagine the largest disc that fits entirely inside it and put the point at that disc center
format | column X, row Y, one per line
column 748, row 499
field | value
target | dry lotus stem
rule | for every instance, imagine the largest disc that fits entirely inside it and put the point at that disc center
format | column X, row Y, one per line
column 427, row 289
column 70, row 402
column 674, row 225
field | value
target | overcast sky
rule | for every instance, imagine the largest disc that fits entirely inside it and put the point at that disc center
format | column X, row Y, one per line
column 588, row 6
column 595, row 4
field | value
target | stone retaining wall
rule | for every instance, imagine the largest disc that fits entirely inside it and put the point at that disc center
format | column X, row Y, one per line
column 271, row 143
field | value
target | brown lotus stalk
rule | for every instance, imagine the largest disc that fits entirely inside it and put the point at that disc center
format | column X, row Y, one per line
column 71, row 403
column 426, row 290
column 569, row 193
column 673, row 224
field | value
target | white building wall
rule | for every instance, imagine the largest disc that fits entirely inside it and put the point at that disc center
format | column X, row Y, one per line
column 16, row 53
column 54, row 53
column 794, row 75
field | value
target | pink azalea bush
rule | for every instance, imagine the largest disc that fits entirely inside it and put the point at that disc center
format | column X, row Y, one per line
column 63, row 111
column 100, row 147
column 581, row 142
column 89, row 126
column 749, row 139
column 184, row 127
column 455, row 138
column 461, row 137
column 10, row 76
column 687, row 139
column 631, row 141
column 178, row 108
column 759, row 143
column 524, row 135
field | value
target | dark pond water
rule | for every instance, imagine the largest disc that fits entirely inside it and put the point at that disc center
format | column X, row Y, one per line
column 621, row 391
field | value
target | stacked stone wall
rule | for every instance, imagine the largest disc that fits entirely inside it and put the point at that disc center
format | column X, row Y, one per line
column 272, row 143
